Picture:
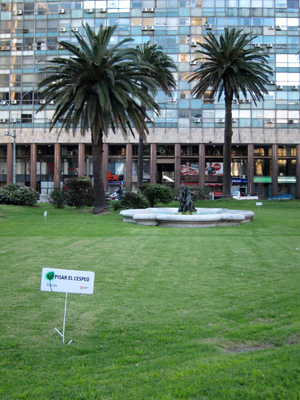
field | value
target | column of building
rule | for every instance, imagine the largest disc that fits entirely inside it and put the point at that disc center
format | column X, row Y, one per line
column 105, row 166
column 298, row 171
column 177, row 165
column 9, row 160
column 250, row 169
column 81, row 160
column 128, row 166
column 33, row 165
column 153, row 164
column 201, row 165
column 274, row 170
column 57, row 164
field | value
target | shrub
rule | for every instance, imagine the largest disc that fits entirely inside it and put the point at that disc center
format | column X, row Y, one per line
column 157, row 193
column 134, row 200
column 58, row 197
column 197, row 193
column 18, row 195
column 201, row 193
column 6, row 191
column 117, row 205
column 90, row 196
column 80, row 192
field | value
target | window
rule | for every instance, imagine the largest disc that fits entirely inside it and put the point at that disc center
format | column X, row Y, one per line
column 4, row 80
column 292, row 3
column 117, row 150
column 213, row 150
column 262, row 167
column 286, row 151
column 165, row 150
column 286, row 167
column 239, row 151
column 189, row 150
column 263, row 151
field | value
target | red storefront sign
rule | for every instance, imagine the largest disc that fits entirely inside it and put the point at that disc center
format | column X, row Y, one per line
column 112, row 177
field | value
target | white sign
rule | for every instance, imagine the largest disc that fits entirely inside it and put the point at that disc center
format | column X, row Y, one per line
column 258, row 203
column 287, row 179
column 45, row 213
column 67, row 281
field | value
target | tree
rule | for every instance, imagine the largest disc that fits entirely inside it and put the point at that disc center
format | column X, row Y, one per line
column 157, row 193
column 231, row 66
column 58, row 197
column 100, row 87
column 160, row 67
column 80, row 192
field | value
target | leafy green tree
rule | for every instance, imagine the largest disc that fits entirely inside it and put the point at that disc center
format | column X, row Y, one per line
column 230, row 67
column 80, row 192
column 157, row 193
column 58, row 197
column 160, row 67
column 99, row 88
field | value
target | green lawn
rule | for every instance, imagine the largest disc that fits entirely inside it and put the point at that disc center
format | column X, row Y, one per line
column 205, row 313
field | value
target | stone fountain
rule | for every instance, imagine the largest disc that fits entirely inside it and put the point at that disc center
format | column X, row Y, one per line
column 186, row 216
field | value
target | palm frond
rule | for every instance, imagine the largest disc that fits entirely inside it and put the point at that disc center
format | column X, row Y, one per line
column 231, row 66
column 100, row 87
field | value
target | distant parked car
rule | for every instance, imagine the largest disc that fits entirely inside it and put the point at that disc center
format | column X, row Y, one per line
column 282, row 196
column 113, row 196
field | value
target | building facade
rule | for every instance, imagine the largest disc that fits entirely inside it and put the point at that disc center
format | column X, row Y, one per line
column 185, row 143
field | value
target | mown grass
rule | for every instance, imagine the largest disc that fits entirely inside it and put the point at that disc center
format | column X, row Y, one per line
column 207, row 313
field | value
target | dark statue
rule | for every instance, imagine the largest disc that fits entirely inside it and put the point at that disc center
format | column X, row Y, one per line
column 185, row 199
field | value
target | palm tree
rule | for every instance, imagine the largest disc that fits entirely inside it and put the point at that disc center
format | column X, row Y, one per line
column 100, row 87
column 160, row 69
column 230, row 67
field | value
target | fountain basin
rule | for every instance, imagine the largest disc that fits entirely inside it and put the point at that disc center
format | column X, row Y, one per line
column 169, row 217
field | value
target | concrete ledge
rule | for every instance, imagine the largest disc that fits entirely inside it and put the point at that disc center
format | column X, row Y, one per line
column 128, row 215
column 146, row 219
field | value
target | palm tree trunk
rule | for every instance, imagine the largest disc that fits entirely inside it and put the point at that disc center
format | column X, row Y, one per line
column 226, row 194
column 100, row 205
column 140, row 161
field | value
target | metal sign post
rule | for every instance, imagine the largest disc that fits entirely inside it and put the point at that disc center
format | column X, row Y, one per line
column 64, row 322
column 258, row 203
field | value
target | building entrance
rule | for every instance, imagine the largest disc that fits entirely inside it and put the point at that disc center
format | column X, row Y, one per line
column 165, row 174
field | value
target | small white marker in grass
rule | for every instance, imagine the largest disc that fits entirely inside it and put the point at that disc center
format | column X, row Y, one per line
column 258, row 203
column 45, row 215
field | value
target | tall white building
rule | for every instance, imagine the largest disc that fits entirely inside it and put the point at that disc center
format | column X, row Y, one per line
column 186, row 142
